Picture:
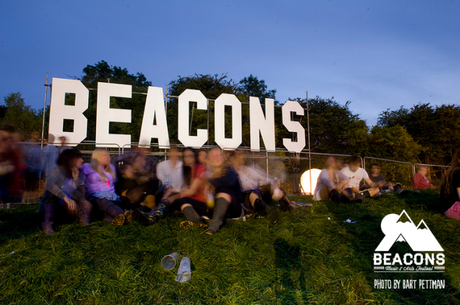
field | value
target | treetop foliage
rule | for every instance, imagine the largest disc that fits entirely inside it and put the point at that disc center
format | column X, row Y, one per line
column 103, row 72
column 436, row 129
column 210, row 85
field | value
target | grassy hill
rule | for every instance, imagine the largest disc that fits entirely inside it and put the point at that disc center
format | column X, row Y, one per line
column 309, row 256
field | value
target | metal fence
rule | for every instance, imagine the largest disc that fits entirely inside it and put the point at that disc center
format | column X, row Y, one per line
column 288, row 167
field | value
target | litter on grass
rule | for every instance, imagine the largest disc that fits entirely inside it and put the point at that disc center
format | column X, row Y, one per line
column 349, row 221
column 301, row 204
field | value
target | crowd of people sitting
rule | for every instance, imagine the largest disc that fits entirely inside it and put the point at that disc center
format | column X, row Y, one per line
column 219, row 186
column 206, row 186
column 342, row 182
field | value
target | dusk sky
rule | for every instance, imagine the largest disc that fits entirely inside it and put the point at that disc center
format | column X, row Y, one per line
column 376, row 54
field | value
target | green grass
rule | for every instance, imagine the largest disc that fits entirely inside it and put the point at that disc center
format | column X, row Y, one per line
column 303, row 259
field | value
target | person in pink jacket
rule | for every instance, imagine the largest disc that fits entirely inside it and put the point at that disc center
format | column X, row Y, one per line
column 420, row 181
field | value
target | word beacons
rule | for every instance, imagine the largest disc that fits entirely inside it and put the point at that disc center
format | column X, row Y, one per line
column 154, row 111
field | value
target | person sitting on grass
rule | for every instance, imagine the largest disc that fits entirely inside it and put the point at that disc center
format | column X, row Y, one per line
column 450, row 189
column 259, row 188
column 100, row 178
column 64, row 188
column 170, row 173
column 193, row 195
column 379, row 181
column 224, row 180
column 332, row 183
column 135, row 183
column 356, row 174
column 420, row 181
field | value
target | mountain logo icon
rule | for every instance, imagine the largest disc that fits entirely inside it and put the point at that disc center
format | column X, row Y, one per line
column 401, row 228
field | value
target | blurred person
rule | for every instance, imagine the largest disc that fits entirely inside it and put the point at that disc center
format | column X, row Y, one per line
column 332, row 183
column 63, row 144
column 135, row 183
column 259, row 188
column 9, row 164
column 449, row 203
column 224, row 180
column 170, row 171
column 202, row 156
column 50, row 154
column 33, row 163
column 193, row 195
column 65, row 189
column 420, row 180
column 100, row 178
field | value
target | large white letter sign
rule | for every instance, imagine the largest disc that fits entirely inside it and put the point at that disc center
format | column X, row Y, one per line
column 183, row 124
column 105, row 115
column 154, row 107
column 263, row 124
column 59, row 111
column 231, row 100
column 293, row 126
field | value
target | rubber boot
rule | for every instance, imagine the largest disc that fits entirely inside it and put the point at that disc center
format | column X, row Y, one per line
column 153, row 216
column 217, row 216
column 117, row 214
column 193, row 219
column 84, row 210
column 47, row 223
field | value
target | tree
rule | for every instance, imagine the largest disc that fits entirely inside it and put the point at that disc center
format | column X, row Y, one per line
column 334, row 128
column 393, row 143
column 252, row 86
column 20, row 115
column 436, row 129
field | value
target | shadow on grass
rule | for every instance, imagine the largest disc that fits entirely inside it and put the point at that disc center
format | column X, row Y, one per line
column 18, row 221
column 288, row 258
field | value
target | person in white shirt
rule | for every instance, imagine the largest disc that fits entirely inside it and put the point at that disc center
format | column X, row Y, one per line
column 356, row 173
column 259, row 188
column 332, row 183
column 170, row 171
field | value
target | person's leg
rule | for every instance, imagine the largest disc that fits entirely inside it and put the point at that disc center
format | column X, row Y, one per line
column 222, row 204
column 162, row 209
column 84, row 210
column 49, row 201
column 191, row 213
column 138, row 193
column 324, row 193
column 258, row 204
column 113, row 213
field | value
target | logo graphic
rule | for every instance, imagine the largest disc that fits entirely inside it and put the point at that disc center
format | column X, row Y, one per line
column 401, row 228
column 426, row 255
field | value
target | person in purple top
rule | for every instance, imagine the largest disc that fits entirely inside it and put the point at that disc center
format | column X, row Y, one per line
column 64, row 191
column 100, row 178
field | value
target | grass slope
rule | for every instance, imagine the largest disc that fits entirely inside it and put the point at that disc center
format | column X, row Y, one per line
column 303, row 259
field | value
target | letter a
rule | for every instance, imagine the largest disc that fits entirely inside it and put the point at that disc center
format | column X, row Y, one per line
column 154, row 107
